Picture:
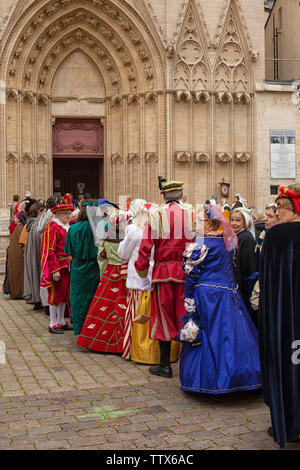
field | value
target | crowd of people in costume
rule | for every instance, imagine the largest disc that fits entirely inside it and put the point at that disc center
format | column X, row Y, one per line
column 216, row 286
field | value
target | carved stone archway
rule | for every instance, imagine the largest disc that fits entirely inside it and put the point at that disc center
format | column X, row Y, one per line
column 129, row 57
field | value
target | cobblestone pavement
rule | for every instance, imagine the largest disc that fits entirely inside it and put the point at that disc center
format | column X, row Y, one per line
column 57, row 395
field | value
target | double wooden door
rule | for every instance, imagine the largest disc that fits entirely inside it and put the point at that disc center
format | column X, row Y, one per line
column 78, row 152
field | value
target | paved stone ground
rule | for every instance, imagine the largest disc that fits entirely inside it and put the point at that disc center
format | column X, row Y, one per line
column 57, row 395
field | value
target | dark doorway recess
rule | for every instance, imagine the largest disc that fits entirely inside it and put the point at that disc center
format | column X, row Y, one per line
column 78, row 176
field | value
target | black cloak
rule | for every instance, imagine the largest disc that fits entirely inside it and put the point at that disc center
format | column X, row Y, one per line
column 279, row 328
column 244, row 261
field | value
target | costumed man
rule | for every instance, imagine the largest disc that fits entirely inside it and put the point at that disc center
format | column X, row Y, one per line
column 68, row 199
column 168, row 231
column 55, row 266
column 279, row 318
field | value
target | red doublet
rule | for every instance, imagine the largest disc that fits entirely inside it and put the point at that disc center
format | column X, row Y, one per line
column 53, row 259
column 169, row 236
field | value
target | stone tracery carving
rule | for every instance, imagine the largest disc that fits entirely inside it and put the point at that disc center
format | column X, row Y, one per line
column 191, row 70
column 181, row 20
column 27, row 158
column 11, row 156
column 27, row 96
column 223, row 157
column 134, row 158
column 116, row 100
column 183, row 95
column 202, row 157
column 133, row 98
column 242, row 157
column 150, row 97
column 12, row 93
column 218, row 34
column 223, row 97
column 117, row 159
column 242, row 97
column 203, row 96
column 231, row 69
column 42, row 158
column 183, row 157
column 151, row 157
column 42, row 99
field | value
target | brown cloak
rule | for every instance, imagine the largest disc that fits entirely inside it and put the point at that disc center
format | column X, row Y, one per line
column 16, row 264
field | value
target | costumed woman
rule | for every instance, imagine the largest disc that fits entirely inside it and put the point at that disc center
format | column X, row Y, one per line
column 45, row 218
column 271, row 220
column 238, row 201
column 279, row 318
column 55, row 266
column 15, row 256
column 242, row 224
column 219, row 341
column 137, row 344
column 103, row 329
column 84, row 275
column 32, row 257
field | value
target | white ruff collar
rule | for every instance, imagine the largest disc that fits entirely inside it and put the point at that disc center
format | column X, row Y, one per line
column 65, row 227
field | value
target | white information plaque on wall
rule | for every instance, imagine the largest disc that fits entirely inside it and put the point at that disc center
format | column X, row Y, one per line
column 283, row 154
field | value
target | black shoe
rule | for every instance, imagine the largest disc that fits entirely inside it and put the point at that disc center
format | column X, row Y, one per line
column 161, row 371
column 56, row 330
column 38, row 306
column 65, row 327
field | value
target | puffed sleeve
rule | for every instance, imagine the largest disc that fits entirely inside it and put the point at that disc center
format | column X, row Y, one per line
column 142, row 264
column 130, row 241
column 194, row 256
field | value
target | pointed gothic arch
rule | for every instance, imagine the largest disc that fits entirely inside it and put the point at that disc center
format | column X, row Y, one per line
column 233, row 82
column 232, row 67
column 114, row 21
column 191, row 67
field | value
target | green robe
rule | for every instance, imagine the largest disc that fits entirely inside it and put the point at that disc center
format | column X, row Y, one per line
column 84, row 276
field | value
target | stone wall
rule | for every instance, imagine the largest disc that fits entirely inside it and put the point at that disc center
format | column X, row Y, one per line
column 275, row 110
column 285, row 16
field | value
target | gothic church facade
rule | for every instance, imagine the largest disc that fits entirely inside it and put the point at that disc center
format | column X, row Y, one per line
column 102, row 96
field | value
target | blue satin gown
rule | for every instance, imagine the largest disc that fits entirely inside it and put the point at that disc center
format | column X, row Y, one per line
column 227, row 358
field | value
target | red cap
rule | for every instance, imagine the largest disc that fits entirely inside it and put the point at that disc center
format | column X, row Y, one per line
column 62, row 207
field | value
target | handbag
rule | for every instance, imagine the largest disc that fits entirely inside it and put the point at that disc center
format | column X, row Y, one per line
column 143, row 310
column 189, row 331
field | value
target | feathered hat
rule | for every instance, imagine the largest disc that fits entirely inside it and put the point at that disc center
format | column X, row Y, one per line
column 68, row 198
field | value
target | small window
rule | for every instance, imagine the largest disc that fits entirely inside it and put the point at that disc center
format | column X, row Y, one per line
column 274, row 190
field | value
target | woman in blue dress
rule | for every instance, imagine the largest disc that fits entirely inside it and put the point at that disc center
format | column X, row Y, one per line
column 224, row 356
